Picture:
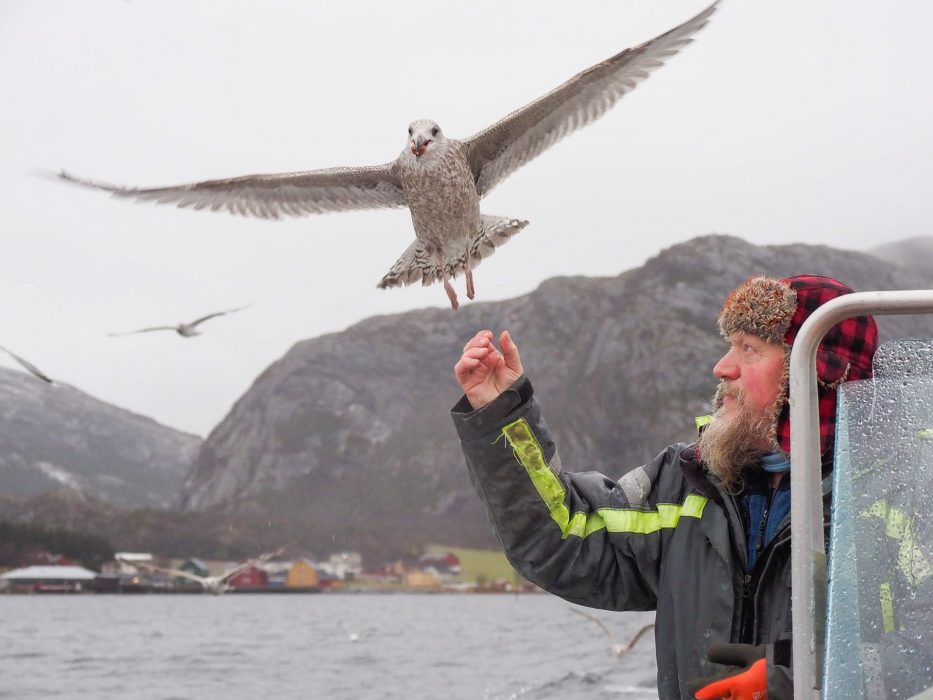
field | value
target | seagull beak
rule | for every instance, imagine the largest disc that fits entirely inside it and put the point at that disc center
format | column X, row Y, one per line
column 419, row 146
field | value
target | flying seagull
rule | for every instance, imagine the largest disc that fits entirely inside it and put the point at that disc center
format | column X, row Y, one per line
column 185, row 330
column 28, row 365
column 441, row 180
column 210, row 584
column 618, row 649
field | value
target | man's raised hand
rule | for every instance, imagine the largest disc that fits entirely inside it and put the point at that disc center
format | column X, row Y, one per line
column 484, row 372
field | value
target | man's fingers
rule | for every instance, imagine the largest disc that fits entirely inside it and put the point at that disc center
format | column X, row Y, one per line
column 510, row 351
column 468, row 363
column 474, row 357
column 479, row 340
column 477, row 353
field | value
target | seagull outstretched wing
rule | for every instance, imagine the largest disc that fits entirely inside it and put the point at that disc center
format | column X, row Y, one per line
column 165, row 570
column 143, row 330
column 617, row 648
column 215, row 315
column 275, row 196
column 599, row 622
column 251, row 562
column 499, row 150
column 28, row 366
column 237, row 569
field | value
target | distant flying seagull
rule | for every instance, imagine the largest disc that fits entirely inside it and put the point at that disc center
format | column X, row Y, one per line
column 28, row 365
column 440, row 180
column 186, row 330
column 618, row 649
column 210, row 584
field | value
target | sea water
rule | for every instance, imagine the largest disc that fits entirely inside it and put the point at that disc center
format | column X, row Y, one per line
column 335, row 646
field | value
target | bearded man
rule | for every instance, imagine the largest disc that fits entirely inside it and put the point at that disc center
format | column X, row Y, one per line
column 701, row 534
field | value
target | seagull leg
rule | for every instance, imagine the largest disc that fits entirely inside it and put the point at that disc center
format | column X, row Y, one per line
column 448, row 287
column 469, row 277
column 451, row 294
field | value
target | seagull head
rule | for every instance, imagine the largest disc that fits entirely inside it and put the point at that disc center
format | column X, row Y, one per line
column 421, row 134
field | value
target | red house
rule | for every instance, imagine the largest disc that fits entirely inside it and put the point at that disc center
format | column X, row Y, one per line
column 252, row 577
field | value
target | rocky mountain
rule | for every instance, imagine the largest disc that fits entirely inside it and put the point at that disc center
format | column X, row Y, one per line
column 348, row 437
column 916, row 253
column 209, row 534
column 55, row 436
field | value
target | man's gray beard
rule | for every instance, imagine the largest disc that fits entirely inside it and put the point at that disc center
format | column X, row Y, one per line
column 730, row 446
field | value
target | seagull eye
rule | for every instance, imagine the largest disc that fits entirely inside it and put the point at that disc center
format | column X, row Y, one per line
column 434, row 131
column 410, row 132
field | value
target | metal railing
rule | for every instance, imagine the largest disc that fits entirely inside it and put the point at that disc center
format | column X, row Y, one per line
column 808, row 556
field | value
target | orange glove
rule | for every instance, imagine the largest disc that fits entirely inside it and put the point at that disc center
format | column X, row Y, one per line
column 749, row 682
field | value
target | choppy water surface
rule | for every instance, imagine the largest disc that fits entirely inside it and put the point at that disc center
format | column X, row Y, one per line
column 341, row 647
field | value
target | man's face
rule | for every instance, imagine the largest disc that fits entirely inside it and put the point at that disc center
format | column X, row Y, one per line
column 750, row 372
column 746, row 402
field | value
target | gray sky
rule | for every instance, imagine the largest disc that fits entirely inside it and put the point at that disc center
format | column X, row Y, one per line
column 791, row 121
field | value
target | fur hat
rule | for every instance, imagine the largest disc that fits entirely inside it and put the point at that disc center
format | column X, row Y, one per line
column 774, row 310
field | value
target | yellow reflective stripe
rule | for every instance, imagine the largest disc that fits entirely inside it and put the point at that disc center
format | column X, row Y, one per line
column 925, row 434
column 529, row 454
column 644, row 522
column 887, row 607
column 636, row 521
column 898, row 526
column 693, row 506
column 703, row 420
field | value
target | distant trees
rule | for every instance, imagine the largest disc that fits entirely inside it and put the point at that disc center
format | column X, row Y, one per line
column 22, row 544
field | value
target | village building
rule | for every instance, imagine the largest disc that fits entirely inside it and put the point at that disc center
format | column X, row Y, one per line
column 251, row 578
column 50, row 579
column 423, row 580
column 343, row 566
column 302, row 575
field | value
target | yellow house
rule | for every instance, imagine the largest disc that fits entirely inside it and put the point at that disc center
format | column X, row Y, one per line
column 421, row 579
column 301, row 575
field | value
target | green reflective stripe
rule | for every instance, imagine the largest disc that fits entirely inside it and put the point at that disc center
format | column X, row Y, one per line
column 693, row 506
column 644, row 522
column 703, row 420
column 887, row 607
column 529, row 454
column 636, row 521
column 925, row 434
column 898, row 526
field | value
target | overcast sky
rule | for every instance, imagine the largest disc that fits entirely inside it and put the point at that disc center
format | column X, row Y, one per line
column 791, row 121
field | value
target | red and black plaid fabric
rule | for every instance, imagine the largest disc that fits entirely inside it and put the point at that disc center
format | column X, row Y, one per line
column 844, row 354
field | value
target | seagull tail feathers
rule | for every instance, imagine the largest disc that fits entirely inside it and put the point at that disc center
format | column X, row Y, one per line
column 417, row 264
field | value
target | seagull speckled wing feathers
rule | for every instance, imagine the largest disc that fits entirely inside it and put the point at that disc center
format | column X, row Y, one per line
column 498, row 151
column 276, row 195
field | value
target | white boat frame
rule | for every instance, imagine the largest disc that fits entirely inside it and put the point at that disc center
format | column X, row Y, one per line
column 808, row 556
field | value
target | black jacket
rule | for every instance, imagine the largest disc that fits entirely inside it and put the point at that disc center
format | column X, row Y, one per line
column 664, row 537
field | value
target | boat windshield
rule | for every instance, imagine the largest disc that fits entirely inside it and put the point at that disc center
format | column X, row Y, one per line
column 879, row 623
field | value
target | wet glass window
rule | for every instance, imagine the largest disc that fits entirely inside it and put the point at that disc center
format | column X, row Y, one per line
column 879, row 637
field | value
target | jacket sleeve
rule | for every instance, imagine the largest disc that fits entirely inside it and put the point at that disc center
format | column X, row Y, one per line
column 575, row 535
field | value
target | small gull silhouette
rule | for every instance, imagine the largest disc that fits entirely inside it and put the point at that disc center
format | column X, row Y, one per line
column 29, row 366
column 211, row 584
column 185, row 330
column 618, row 649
